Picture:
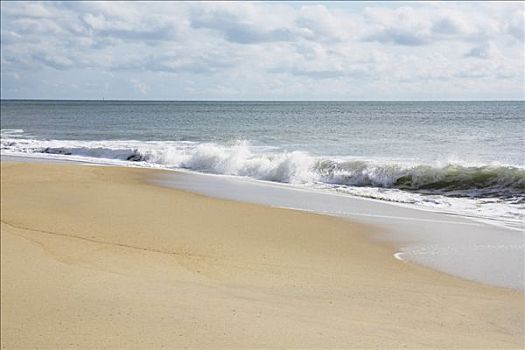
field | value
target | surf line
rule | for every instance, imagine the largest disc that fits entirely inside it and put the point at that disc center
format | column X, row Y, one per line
column 398, row 256
column 417, row 219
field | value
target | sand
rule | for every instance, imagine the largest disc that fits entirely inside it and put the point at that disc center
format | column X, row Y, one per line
column 96, row 257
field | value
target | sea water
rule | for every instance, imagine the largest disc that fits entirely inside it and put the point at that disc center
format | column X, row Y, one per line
column 465, row 158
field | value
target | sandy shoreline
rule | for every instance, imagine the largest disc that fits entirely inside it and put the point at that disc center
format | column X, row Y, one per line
column 96, row 257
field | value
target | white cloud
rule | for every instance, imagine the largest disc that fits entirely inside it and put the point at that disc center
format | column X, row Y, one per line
column 262, row 50
column 484, row 51
column 140, row 86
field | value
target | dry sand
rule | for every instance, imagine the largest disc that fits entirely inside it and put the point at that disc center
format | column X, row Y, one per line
column 95, row 257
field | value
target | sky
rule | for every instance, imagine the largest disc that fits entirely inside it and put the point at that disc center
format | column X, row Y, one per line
column 263, row 50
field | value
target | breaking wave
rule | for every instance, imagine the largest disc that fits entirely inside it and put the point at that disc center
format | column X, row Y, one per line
column 296, row 167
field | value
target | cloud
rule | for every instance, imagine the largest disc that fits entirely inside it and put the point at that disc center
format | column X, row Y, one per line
column 311, row 73
column 402, row 26
column 254, row 50
column 237, row 30
column 317, row 23
column 426, row 25
column 140, row 86
column 515, row 25
column 484, row 51
column 244, row 23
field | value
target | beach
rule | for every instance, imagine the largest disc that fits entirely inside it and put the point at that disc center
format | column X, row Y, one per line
column 100, row 257
column 447, row 195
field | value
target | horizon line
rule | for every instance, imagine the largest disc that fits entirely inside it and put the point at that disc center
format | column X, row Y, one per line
column 220, row 100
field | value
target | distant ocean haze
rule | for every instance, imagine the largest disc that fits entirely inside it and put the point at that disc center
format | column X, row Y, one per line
column 466, row 157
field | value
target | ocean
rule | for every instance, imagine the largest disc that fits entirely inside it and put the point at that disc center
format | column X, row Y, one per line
column 465, row 158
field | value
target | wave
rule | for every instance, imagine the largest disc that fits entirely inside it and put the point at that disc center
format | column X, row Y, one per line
column 450, row 179
column 295, row 167
column 12, row 132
